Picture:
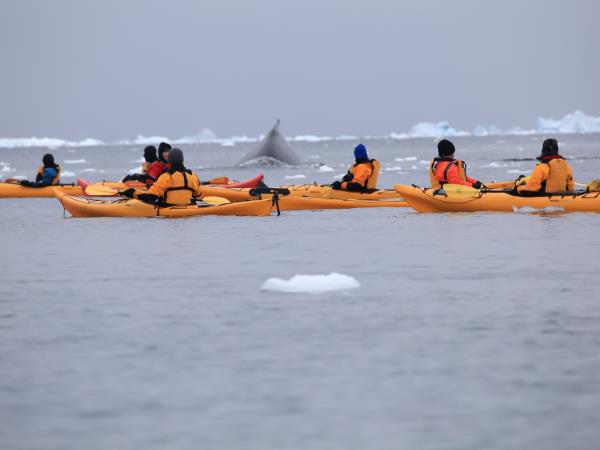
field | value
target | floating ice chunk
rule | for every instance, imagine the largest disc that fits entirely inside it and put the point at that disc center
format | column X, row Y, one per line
column 314, row 157
column 495, row 165
column 294, row 177
column 345, row 137
column 135, row 170
column 325, row 168
column 398, row 136
column 310, row 138
column 311, row 283
column 393, row 168
column 147, row 140
column 46, row 142
column 439, row 129
column 89, row 169
column 227, row 143
column 7, row 169
column 206, row 135
column 529, row 209
column 408, row 158
column 514, row 171
column 66, row 173
column 577, row 122
column 75, row 161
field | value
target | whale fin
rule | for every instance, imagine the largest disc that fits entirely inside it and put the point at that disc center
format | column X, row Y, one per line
column 272, row 149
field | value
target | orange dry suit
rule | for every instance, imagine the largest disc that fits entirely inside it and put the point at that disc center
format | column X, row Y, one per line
column 552, row 174
column 175, row 187
column 448, row 170
column 362, row 176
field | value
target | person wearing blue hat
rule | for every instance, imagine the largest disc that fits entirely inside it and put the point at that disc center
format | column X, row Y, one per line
column 363, row 175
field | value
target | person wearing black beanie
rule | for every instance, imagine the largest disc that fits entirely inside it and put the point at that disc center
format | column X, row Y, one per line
column 149, row 158
column 160, row 165
column 552, row 174
column 163, row 148
column 46, row 175
column 178, row 186
column 445, row 169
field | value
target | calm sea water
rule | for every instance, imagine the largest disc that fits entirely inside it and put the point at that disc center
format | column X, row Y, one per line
column 469, row 331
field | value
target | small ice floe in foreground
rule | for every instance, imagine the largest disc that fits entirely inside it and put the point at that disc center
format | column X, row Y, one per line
column 67, row 173
column 89, row 169
column 294, row 177
column 313, row 284
column 75, row 161
column 529, row 209
column 325, row 168
column 514, row 171
column 408, row 158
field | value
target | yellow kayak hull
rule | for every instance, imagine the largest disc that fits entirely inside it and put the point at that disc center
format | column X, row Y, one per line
column 10, row 190
column 424, row 200
column 86, row 207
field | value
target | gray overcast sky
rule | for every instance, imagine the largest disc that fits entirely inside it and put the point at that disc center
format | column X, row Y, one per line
column 114, row 68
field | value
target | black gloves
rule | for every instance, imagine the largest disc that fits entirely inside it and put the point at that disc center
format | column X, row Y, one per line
column 348, row 177
column 336, row 185
column 477, row 185
column 26, row 183
column 150, row 198
column 127, row 192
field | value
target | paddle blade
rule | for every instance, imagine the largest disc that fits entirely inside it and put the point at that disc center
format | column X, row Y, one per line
column 326, row 191
column 101, row 191
column 215, row 200
column 12, row 181
column 459, row 189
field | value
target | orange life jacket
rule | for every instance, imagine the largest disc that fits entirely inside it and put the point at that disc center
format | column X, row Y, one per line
column 436, row 182
column 357, row 170
column 181, row 191
column 558, row 179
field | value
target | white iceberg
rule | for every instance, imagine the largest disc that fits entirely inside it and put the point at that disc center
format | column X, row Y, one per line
column 325, row 168
column 311, row 283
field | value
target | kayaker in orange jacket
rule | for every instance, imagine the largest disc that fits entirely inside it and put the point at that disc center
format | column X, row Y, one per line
column 552, row 174
column 445, row 169
column 362, row 175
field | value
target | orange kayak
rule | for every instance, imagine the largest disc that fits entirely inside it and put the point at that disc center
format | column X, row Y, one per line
column 10, row 190
column 87, row 207
column 308, row 190
column 429, row 200
column 295, row 203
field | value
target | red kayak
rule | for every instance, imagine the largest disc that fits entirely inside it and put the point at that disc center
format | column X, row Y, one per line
column 251, row 183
